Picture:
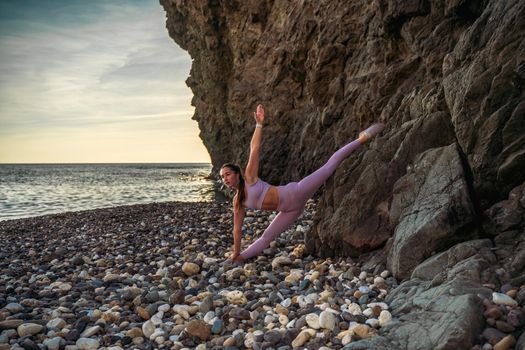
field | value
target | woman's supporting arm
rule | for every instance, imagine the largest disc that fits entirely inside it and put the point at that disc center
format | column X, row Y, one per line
column 238, row 219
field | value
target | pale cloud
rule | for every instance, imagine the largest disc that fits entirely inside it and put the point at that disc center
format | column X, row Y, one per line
column 103, row 68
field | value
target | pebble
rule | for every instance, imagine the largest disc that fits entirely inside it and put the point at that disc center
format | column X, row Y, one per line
column 217, row 327
column 28, row 329
column 190, row 268
column 313, row 321
column 327, row 320
column 199, row 329
column 147, row 283
column 503, row 299
column 53, row 343
column 148, row 328
column 384, row 318
column 14, row 308
column 516, row 318
column 236, row 297
column 87, row 344
column 90, row 331
column 505, row 343
column 10, row 324
column 303, row 337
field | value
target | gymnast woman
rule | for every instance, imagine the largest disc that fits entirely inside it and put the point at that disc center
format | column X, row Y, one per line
column 289, row 200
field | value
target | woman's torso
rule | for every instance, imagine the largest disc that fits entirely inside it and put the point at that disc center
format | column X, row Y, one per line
column 261, row 195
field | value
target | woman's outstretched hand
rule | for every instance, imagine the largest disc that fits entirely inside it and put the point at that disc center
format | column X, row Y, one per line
column 259, row 114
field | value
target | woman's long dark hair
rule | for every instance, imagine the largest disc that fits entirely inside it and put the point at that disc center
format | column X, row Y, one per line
column 241, row 195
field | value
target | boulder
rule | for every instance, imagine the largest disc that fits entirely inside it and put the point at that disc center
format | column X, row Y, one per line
column 431, row 209
column 443, row 311
column 506, row 223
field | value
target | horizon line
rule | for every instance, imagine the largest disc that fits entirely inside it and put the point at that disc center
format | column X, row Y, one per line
column 92, row 163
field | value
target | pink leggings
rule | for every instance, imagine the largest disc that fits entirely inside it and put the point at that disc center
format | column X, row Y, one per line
column 293, row 198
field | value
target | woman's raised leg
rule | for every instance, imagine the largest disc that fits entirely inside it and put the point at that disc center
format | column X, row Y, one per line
column 311, row 183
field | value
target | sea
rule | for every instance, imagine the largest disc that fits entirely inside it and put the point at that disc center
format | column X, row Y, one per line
column 28, row 190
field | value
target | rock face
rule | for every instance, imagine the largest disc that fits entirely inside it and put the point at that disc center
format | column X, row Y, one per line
column 506, row 223
column 431, row 209
column 439, row 196
column 435, row 72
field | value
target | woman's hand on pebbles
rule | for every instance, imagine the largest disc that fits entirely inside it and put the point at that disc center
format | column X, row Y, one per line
column 233, row 256
column 236, row 258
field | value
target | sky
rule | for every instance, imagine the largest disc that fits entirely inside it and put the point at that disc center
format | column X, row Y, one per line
column 93, row 82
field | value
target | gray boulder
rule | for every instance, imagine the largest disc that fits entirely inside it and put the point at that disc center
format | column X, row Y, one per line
column 431, row 209
column 441, row 306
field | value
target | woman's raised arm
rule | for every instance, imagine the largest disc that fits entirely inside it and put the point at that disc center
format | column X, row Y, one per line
column 252, row 169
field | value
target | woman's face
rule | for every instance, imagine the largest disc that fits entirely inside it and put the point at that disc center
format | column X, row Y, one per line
column 229, row 177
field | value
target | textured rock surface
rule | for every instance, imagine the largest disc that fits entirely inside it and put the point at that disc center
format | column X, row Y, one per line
column 431, row 209
column 446, row 77
column 506, row 223
column 436, row 72
column 440, row 307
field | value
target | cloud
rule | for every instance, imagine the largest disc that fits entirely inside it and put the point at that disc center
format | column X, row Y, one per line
column 80, row 64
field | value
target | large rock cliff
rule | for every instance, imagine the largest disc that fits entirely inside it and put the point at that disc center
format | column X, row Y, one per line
column 447, row 77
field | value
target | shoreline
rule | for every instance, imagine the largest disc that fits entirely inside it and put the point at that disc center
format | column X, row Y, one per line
column 150, row 276
column 79, row 212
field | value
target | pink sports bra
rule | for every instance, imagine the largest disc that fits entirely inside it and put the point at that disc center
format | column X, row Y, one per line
column 255, row 194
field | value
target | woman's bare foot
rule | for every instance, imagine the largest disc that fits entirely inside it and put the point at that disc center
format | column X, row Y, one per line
column 370, row 132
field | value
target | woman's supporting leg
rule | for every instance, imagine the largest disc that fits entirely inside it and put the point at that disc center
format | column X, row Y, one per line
column 281, row 222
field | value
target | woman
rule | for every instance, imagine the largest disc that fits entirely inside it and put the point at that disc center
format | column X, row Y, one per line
column 289, row 200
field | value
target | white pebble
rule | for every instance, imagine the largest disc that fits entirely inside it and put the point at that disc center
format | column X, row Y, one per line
column 283, row 320
column 355, row 309
column 346, row 339
column 87, row 344
column 158, row 333
column 503, row 299
column 157, row 321
column 209, row 318
column 313, row 321
column 327, row 320
column 148, row 328
column 56, row 324
column 164, row 307
column 385, row 317
column 181, row 310
column 286, row 302
column 368, row 312
column 269, row 319
column 383, row 306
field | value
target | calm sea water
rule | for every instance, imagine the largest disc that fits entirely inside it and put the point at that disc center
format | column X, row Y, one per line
column 28, row 190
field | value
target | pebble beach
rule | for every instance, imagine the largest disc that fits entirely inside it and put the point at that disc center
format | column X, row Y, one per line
column 151, row 276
